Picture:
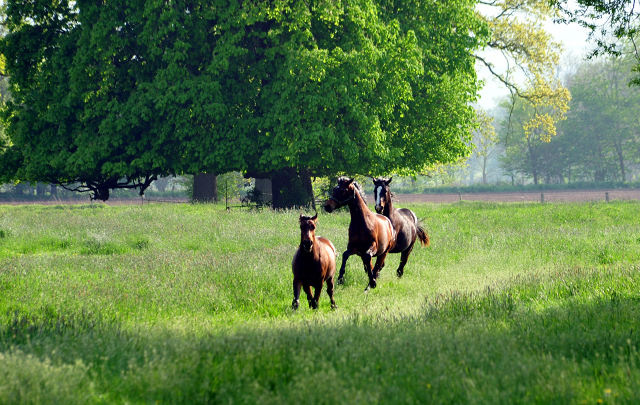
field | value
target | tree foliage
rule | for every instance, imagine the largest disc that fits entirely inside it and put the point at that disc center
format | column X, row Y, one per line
column 486, row 145
column 517, row 28
column 113, row 94
column 602, row 127
column 613, row 24
column 600, row 139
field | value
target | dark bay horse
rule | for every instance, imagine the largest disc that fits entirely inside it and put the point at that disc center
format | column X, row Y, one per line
column 313, row 264
column 370, row 234
column 404, row 221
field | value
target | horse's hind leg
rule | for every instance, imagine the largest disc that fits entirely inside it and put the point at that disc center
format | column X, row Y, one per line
column 330, row 292
column 404, row 256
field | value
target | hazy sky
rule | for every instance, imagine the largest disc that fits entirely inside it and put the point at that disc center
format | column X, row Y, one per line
column 573, row 38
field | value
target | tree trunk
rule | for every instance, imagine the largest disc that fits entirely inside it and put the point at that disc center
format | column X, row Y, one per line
column 39, row 189
column 54, row 191
column 291, row 188
column 534, row 161
column 618, row 147
column 205, row 187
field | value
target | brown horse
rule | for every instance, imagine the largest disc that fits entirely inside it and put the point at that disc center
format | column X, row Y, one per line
column 313, row 264
column 404, row 221
column 370, row 234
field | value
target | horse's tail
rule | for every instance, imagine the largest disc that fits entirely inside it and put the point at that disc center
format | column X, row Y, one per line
column 423, row 236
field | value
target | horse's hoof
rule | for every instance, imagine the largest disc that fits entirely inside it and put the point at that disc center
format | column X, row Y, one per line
column 372, row 283
column 295, row 304
column 334, row 306
column 400, row 273
column 313, row 304
column 340, row 280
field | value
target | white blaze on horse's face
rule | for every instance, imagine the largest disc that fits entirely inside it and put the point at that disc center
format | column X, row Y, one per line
column 378, row 194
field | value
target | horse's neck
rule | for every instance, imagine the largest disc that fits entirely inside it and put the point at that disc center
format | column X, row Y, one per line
column 388, row 210
column 357, row 208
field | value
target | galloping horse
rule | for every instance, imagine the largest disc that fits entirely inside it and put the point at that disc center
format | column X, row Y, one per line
column 313, row 264
column 370, row 234
column 405, row 222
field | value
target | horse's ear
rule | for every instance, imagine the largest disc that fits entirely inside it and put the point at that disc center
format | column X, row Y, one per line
column 388, row 181
column 315, row 217
column 350, row 181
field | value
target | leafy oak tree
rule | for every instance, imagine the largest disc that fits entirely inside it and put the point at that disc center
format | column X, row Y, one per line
column 113, row 94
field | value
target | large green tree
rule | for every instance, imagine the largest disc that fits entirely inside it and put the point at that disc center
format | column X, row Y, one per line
column 113, row 94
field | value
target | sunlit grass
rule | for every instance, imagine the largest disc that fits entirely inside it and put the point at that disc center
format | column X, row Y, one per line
column 512, row 303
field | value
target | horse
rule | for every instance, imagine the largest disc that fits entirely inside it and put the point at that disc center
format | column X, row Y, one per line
column 404, row 221
column 313, row 263
column 370, row 234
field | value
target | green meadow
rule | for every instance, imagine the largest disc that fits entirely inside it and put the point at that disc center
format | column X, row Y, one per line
column 511, row 304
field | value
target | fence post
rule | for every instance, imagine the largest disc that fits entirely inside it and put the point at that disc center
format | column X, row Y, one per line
column 460, row 196
column 541, row 198
column 606, row 196
column 226, row 194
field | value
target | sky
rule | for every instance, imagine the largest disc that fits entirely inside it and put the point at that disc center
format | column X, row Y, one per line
column 573, row 38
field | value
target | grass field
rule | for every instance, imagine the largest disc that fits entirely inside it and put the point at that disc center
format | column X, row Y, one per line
column 512, row 303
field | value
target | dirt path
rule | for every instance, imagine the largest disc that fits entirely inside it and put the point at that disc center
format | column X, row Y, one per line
column 549, row 196
column 533, row 196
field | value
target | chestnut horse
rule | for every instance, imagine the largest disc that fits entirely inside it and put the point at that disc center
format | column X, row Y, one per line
column 404, row 222
column 370, row 234
column 313, row 264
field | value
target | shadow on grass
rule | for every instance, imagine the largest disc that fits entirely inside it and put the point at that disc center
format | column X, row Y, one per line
column 564, row 338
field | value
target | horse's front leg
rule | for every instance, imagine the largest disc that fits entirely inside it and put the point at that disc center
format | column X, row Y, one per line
column 316, row 296
column 366, row 261
column 379, row 265
column 313, row 304
column 297, row 284
column 345, row 256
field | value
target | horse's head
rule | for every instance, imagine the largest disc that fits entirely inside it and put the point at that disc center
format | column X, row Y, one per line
column 307, row 231
column 341, row 194
column 381, row 192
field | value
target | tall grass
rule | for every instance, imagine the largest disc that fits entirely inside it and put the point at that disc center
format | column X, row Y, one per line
column 512, row 303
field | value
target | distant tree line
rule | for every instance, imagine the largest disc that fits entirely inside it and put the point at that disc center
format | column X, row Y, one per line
column 598, row 141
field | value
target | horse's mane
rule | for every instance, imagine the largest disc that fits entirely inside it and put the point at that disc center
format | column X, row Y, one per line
column 344, row 179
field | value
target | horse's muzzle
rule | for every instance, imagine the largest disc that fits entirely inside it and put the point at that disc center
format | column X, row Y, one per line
column 379, row 209
column 328, row 208
column 307, row 245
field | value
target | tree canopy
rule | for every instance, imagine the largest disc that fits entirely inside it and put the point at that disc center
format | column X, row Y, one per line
column 614, row 26
column 112, row 94
column 532, row 57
